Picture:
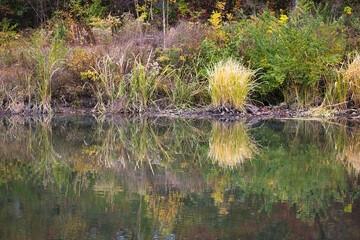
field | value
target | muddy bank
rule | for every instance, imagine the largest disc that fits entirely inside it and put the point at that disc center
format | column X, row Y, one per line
column 250, row 112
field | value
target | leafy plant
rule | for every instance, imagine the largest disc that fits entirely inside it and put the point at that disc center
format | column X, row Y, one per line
column 292, row 55
column 7, row 31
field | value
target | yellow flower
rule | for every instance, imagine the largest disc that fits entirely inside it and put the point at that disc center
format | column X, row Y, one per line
column 283, row 19
column 215, row 19
column 229, row 16
column 220, row 5
column 347, row 10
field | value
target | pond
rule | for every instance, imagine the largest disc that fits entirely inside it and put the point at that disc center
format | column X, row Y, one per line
column 164, row 178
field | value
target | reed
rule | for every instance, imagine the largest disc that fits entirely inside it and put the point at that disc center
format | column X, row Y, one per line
column 143, row 82
column 352, row 79
column 230, row 84
column 47, row 60
column 109, row 87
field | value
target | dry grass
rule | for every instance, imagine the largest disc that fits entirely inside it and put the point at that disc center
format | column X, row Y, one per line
column 344, row 88
column 230, row 145
column 186, row 35
column 352, row 79
column 230, row 83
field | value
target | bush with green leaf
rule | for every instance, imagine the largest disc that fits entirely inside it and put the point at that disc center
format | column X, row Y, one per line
column 293, row 54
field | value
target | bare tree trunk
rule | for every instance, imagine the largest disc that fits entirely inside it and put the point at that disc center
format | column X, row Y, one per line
column 167, row 13
column 299, row 6
column 136, row 2
column 292, row 5
column 164, row 21
column 151, row 12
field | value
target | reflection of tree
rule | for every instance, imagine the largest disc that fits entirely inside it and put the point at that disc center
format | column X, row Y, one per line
column 165, row 209
column 74, row 226
column 297, row 167
column 230, row 144
column 222, row 200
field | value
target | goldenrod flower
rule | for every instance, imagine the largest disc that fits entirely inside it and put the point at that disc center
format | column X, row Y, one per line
column 347, row 10
column 283, row 19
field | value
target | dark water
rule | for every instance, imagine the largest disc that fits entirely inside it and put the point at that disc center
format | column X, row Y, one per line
column 87, row 178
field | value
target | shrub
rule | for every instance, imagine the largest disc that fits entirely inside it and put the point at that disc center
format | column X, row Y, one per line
column 187, row 36
column 293, row 54
column 7, row 31
column 82, row 60
column 230, row 83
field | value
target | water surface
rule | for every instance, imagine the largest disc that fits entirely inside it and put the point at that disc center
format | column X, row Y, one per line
column 161, row 178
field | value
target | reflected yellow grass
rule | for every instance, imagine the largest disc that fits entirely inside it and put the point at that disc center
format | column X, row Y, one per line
column 345, row 142
column 349, row 150
column 230, row 144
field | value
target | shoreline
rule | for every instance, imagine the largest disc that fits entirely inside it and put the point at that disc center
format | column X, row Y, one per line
column 251, row 113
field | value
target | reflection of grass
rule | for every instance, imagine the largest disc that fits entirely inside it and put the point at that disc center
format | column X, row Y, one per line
column 49, row 166
column 230, row 145
column 346, row 142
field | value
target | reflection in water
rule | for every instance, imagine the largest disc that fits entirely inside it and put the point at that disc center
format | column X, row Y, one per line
column 347, row 143
column 230, row 144
column 81, row 178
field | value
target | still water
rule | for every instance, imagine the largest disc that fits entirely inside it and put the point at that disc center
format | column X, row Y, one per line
column 161, row 178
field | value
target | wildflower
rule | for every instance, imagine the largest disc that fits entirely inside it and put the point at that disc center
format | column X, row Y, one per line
column 283, row 19
column 215, row 19
column 220, row 5
column 229, row 16
column 347, row 10
column 88, row 75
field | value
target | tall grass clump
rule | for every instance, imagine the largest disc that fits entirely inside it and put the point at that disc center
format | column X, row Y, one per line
column 230, row 83
column 337, row 91
column 352, row 79
column 46, row 56
column 108, row 85
column 344, row 89
column 143, row 82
